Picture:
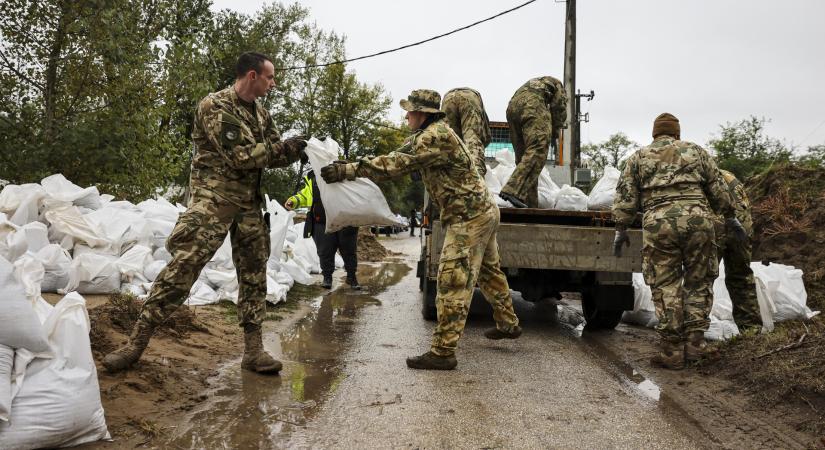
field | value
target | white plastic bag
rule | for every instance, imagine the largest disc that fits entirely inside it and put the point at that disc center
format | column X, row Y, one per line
column 548, row 191
column 721, row 330
column 602, row 195
column 6, row 364
column 93, row 273
column 59, row 404
column 61, row 189
column 153, row 269
column 132, row 263
column 296, row 272
column 201, row 294
column 19, row 325
column 348, row 203
column 644, row 312
column 570, row 198
column 279, row 221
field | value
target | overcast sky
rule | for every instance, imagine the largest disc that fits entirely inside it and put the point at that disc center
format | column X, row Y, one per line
column 706, row 61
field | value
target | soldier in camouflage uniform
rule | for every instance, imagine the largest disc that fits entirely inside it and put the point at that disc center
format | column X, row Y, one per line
column 235, row 139
column 677, row 186
column 470, row 252
column 737, row 257
column 466, row 116
column 536, row 112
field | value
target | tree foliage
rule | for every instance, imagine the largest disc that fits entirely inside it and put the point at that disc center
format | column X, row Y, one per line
column 611, row 152
column 744, row 148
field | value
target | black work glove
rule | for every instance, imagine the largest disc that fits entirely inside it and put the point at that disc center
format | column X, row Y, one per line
column 621, row 238
column 338, row 171
column 737, row 229
column 302, row 155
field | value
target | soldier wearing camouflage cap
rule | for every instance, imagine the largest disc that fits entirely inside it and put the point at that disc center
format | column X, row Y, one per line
column 678, row 188
column 536, row 112
column 465, row 114
column 470, row 251
column 235, row 139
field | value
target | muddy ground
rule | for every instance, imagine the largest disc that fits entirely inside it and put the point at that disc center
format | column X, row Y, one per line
column 345, row 385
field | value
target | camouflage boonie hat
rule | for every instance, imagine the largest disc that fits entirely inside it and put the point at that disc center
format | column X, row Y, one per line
column 424, row 100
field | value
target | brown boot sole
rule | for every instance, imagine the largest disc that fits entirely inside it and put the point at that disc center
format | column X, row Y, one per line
column 273, row 369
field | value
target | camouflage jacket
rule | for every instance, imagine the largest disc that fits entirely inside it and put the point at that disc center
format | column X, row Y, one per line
column 670, row 178
column 543, row 92
column 232, row 147
column 741, row 202
column 446, row 167
column 466, row 116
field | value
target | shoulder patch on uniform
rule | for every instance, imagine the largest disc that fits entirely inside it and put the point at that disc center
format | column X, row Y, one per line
column 230, row 129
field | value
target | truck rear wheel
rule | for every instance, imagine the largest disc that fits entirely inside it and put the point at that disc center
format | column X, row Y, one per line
column 597, row 318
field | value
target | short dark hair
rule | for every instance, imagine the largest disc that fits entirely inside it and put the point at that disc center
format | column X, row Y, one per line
column 250, row 61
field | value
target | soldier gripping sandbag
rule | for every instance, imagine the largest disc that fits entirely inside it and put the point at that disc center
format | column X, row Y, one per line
column 235, row 139
column 464, row 112
column 470, row 252
column 536, row 112
column 679, row 189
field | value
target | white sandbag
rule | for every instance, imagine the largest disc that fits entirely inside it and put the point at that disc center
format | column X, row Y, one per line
column 30, row 272
column 502, row 172
column 20, row 326
column 59, row 188
column 306, row 252
column 153, row 269
column 602, row 195
column 93, row 273
column 218, row 277
column 644, row 312
column 161, row 254
column 339, row 261
column 29, row 208
column 6, row 364
column 570, row 198
column 56, row 263
column 132, row 263
column 275, row 292
column 7, row 229
column 223, row 257
column 296, row 272
column 279, row 221
column 69, row 221
column 121, row 226
column 348, row 203
column 548, row 190
column 201, row 294
column 492, row 182
column 59, row 405
column 721, row 330
column 12, row 194
column 785, row 289
column 159, row 209
column 133, row 289
column 283, row 278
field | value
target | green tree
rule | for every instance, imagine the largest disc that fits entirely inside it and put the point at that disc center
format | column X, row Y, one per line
column 744, row 148
column 611, row 152
column 814, row 156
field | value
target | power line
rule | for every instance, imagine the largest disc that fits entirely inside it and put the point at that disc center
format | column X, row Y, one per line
column 344, row 61
column 812, row 133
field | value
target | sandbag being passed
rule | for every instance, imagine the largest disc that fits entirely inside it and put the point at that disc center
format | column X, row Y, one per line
column 348, row 203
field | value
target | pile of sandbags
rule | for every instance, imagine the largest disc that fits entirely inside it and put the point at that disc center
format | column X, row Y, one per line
column 496, row 177
column 49, row 393
column 87, row 242
column 780, row 292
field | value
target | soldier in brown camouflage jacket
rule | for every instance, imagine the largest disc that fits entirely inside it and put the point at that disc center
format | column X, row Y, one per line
column 470, row 252
column 235, row 139
column 465, row 114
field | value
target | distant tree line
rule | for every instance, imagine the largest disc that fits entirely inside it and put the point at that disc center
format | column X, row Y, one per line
column 104, row 91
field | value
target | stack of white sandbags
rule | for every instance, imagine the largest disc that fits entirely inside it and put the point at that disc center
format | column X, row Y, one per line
column 780, row 292
column 88, row 243
column 49, row 393
column 604, row 191
column 497, row 177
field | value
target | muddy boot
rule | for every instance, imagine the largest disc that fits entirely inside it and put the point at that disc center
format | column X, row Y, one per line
column 495, row 333
column 352, row 281
column 255, row 359
column 431, row 361
column 698, row 349
column 124, row 357
column 671, row 357
column 327, row 283
column 513, row 200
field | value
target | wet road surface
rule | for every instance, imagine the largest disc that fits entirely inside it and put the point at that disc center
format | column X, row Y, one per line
column 345, row 383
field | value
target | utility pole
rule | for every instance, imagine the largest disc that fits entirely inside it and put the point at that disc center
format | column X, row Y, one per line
column 571, row 133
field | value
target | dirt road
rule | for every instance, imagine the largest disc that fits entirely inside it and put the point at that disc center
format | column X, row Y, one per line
column 345, row 385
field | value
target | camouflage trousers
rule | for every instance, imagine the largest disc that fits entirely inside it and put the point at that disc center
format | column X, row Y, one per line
column 739, row 280
column 199, row 233
column 679, row 263
column 531, row 130
column 470, row 256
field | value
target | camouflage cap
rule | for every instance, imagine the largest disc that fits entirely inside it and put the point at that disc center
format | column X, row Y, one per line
column 666, row 124
column 424, row 100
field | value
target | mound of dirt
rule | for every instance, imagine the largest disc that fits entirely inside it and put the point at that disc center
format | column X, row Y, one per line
column 369, row 249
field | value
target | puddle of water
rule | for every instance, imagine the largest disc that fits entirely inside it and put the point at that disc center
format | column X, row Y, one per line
column 247, row 410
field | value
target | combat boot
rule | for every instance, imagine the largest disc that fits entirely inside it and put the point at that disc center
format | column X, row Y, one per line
column 255, row 359
column 495, row 333
column 671, row 357
column 698, row 349
column 124, row 357
column 352, row 281
column 513, row 200
column 431, row 361
column 327, row 283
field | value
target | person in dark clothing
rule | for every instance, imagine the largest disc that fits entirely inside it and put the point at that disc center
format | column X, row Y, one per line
column 413, row 222
column 344, row 240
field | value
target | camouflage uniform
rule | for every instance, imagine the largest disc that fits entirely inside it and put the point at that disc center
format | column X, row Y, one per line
column 232, row 147
column 537, row 110
column 677, row 186
column 737, row 256
column 470, row 216
column 466, row 116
